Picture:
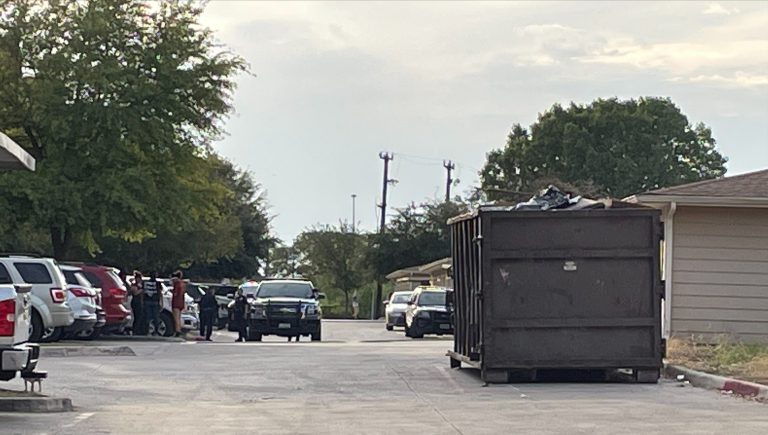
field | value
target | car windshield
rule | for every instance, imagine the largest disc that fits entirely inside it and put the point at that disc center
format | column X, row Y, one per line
column 401, row 298
column 285, row 289
column 432, row 298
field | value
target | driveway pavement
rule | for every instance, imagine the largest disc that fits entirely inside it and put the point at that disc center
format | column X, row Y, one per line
column 362, row 379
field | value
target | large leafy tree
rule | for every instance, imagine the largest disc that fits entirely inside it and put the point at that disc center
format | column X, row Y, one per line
column 229, row 243
column 333, row 258
column 611, row 147
column 117, row 102
column 247, row 206
column 418, row 234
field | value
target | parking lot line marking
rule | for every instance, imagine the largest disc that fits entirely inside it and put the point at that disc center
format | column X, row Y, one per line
column 79, row 419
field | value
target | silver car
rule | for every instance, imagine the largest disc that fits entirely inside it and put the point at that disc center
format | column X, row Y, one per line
column 396, row 306
column 82, row 298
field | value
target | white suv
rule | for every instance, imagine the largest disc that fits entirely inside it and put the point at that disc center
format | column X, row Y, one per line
column 49, row 292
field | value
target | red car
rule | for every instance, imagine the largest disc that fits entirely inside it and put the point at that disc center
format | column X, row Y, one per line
column 113, row 294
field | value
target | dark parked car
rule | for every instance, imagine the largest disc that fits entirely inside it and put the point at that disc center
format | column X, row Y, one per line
column 287, row 308
column 429, row 312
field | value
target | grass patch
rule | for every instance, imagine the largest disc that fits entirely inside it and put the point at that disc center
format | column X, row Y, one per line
column 722, row 357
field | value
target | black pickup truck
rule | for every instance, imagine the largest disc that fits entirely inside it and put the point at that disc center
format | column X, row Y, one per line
column 286, row 308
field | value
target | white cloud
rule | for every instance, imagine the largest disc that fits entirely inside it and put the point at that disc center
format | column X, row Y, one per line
column 738, row 79
column 682, row 57
column 718, row 9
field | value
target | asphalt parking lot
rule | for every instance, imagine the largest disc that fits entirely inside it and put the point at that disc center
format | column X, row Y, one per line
column 362, row 379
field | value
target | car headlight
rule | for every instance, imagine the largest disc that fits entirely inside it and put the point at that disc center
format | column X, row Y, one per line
column 257, row 310
column 423, row 314
column 309, row 310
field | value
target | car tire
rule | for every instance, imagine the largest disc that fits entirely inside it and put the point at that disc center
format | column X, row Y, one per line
column 390, row 327
column 318, row 335
column 222, row 323
column 36, row 329
column 254, row 336
column 88, row 334
column 168, row 325
column 51, row 335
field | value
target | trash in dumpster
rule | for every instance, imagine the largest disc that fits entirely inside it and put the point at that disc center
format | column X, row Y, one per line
column 548, row 199
column 553, row 198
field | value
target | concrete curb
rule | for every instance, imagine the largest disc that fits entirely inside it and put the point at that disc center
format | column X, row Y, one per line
column 714, row 382
column 141, row 339
column 35, row 404
column 65, row 351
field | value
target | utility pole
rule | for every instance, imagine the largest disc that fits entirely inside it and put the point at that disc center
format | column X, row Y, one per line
column 449, row 166
column 353, row 213
column 387, row 157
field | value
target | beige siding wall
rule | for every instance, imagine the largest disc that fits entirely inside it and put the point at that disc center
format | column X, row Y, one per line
column 720, row 273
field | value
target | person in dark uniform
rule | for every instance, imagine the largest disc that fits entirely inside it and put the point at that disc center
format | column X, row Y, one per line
column 137, row 304
column 240, row 311
column 208, row 308
column 153, row 302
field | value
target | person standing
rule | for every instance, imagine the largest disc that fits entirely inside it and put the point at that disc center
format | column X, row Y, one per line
column 177, row 301
column 208, row 308
column 137, row 304
column 355, row 307
column 153, row 302
column 240, row 311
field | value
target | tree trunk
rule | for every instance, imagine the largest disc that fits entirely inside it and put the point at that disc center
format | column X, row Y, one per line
column 61, row 242
column 346, row 301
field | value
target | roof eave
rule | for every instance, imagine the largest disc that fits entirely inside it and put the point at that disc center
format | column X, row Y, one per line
column 700, row 201
column 13, row 156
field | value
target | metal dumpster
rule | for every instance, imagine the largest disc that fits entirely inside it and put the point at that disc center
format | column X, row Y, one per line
column 537, row 290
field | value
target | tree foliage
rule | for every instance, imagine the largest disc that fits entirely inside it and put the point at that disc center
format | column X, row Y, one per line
column 233, row 244
column 418, row 234
column 333, row 258
column 611, row 147
column 117, row 103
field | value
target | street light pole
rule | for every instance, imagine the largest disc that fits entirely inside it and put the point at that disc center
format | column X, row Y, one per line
column 353, row 213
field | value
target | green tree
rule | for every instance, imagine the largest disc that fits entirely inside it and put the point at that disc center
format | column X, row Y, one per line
column 333, row 258
column 418, row 234
column 247, row 205
column 118, row 104
column 610, row 147
column 230, row 243
column 283, row 262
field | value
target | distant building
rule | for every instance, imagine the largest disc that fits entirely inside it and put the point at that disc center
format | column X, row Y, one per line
column 436, row 273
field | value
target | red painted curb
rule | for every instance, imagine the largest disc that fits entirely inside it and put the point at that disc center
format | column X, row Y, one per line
column 741, row 388
column 719, row 383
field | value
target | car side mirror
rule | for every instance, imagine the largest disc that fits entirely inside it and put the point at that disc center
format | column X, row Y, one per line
column 385, row 302
column 23, row 288
column 320, row 295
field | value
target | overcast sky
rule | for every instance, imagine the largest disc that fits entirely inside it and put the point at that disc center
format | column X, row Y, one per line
column 336, row 83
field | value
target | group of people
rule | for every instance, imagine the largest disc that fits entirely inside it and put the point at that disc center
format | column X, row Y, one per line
column 147, row 302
